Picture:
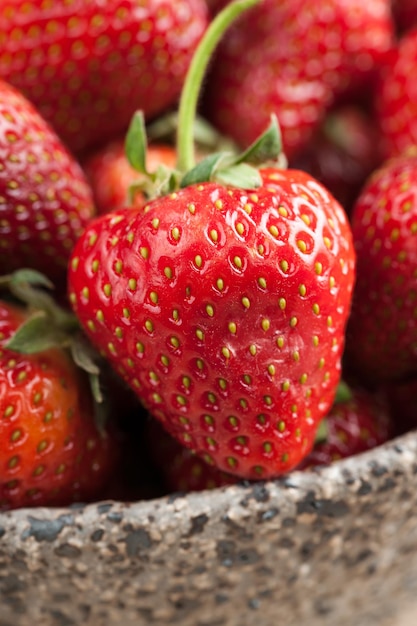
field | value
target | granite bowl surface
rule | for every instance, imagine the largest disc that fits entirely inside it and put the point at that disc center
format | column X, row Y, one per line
column 335, row 546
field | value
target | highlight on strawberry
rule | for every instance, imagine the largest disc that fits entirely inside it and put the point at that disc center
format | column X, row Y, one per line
column 223, row 302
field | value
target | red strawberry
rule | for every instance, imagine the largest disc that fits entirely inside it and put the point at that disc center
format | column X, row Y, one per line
column 225, row 308
column 88, row 64
column 382, row 332
column 354, row 424
column 45, row 201
column 224, row 303
column 292, row 58
column 51, row 452
column 112, row 177
column 343, row 153
column 395, row 97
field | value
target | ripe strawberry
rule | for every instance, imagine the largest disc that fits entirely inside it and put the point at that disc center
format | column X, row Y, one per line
column 395, row 98
column 292, row 58
column 358, row 421
column 45, row 201
column 382, row 331
column 88, row 65
column 51, row 452
column 223, row 303
column 225, row 309
column 355, row 424
column 343, row 153
column 113, row 179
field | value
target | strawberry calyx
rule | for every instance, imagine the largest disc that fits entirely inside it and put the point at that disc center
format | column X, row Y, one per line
column 225, row 167
column 49, row 326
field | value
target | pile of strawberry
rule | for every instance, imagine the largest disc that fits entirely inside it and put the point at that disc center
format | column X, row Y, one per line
column 176, row 316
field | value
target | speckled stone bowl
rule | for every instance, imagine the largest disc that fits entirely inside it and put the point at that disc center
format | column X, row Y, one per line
column 334, row 547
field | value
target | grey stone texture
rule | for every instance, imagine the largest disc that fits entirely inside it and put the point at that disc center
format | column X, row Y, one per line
column 333, row 546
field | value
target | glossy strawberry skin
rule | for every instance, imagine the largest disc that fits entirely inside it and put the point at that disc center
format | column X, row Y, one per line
column 111, row 175
column 225, row 310
column 50, row 450
column 382, row 330
column 88, row 65
column 294, row 58
column 354, row 425
column 45, row 200
column 395, row 99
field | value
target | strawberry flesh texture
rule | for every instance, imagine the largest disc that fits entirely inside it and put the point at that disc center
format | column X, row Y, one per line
column 225, row 310
column 45, row 200
column 88, row 65
column 293, row 59
column 50, row 452
column 382, row 331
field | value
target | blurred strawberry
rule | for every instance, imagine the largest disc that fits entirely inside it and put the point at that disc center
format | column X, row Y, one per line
column 45, row 200
column 357, row 422
column 381, row 337
column 292, row 58
column 342, row 153
column 88, row 64
column 395, row 97
column 113, row 179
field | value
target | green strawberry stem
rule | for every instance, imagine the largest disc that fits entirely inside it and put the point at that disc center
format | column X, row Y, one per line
column 192, row 86
column 224, row 167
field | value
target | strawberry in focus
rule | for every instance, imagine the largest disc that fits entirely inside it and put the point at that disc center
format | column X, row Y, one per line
column 223, row 303
column 87, row 65
column 357, row 421
column 225, row 309
column 45, row 200
column 51, row 452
